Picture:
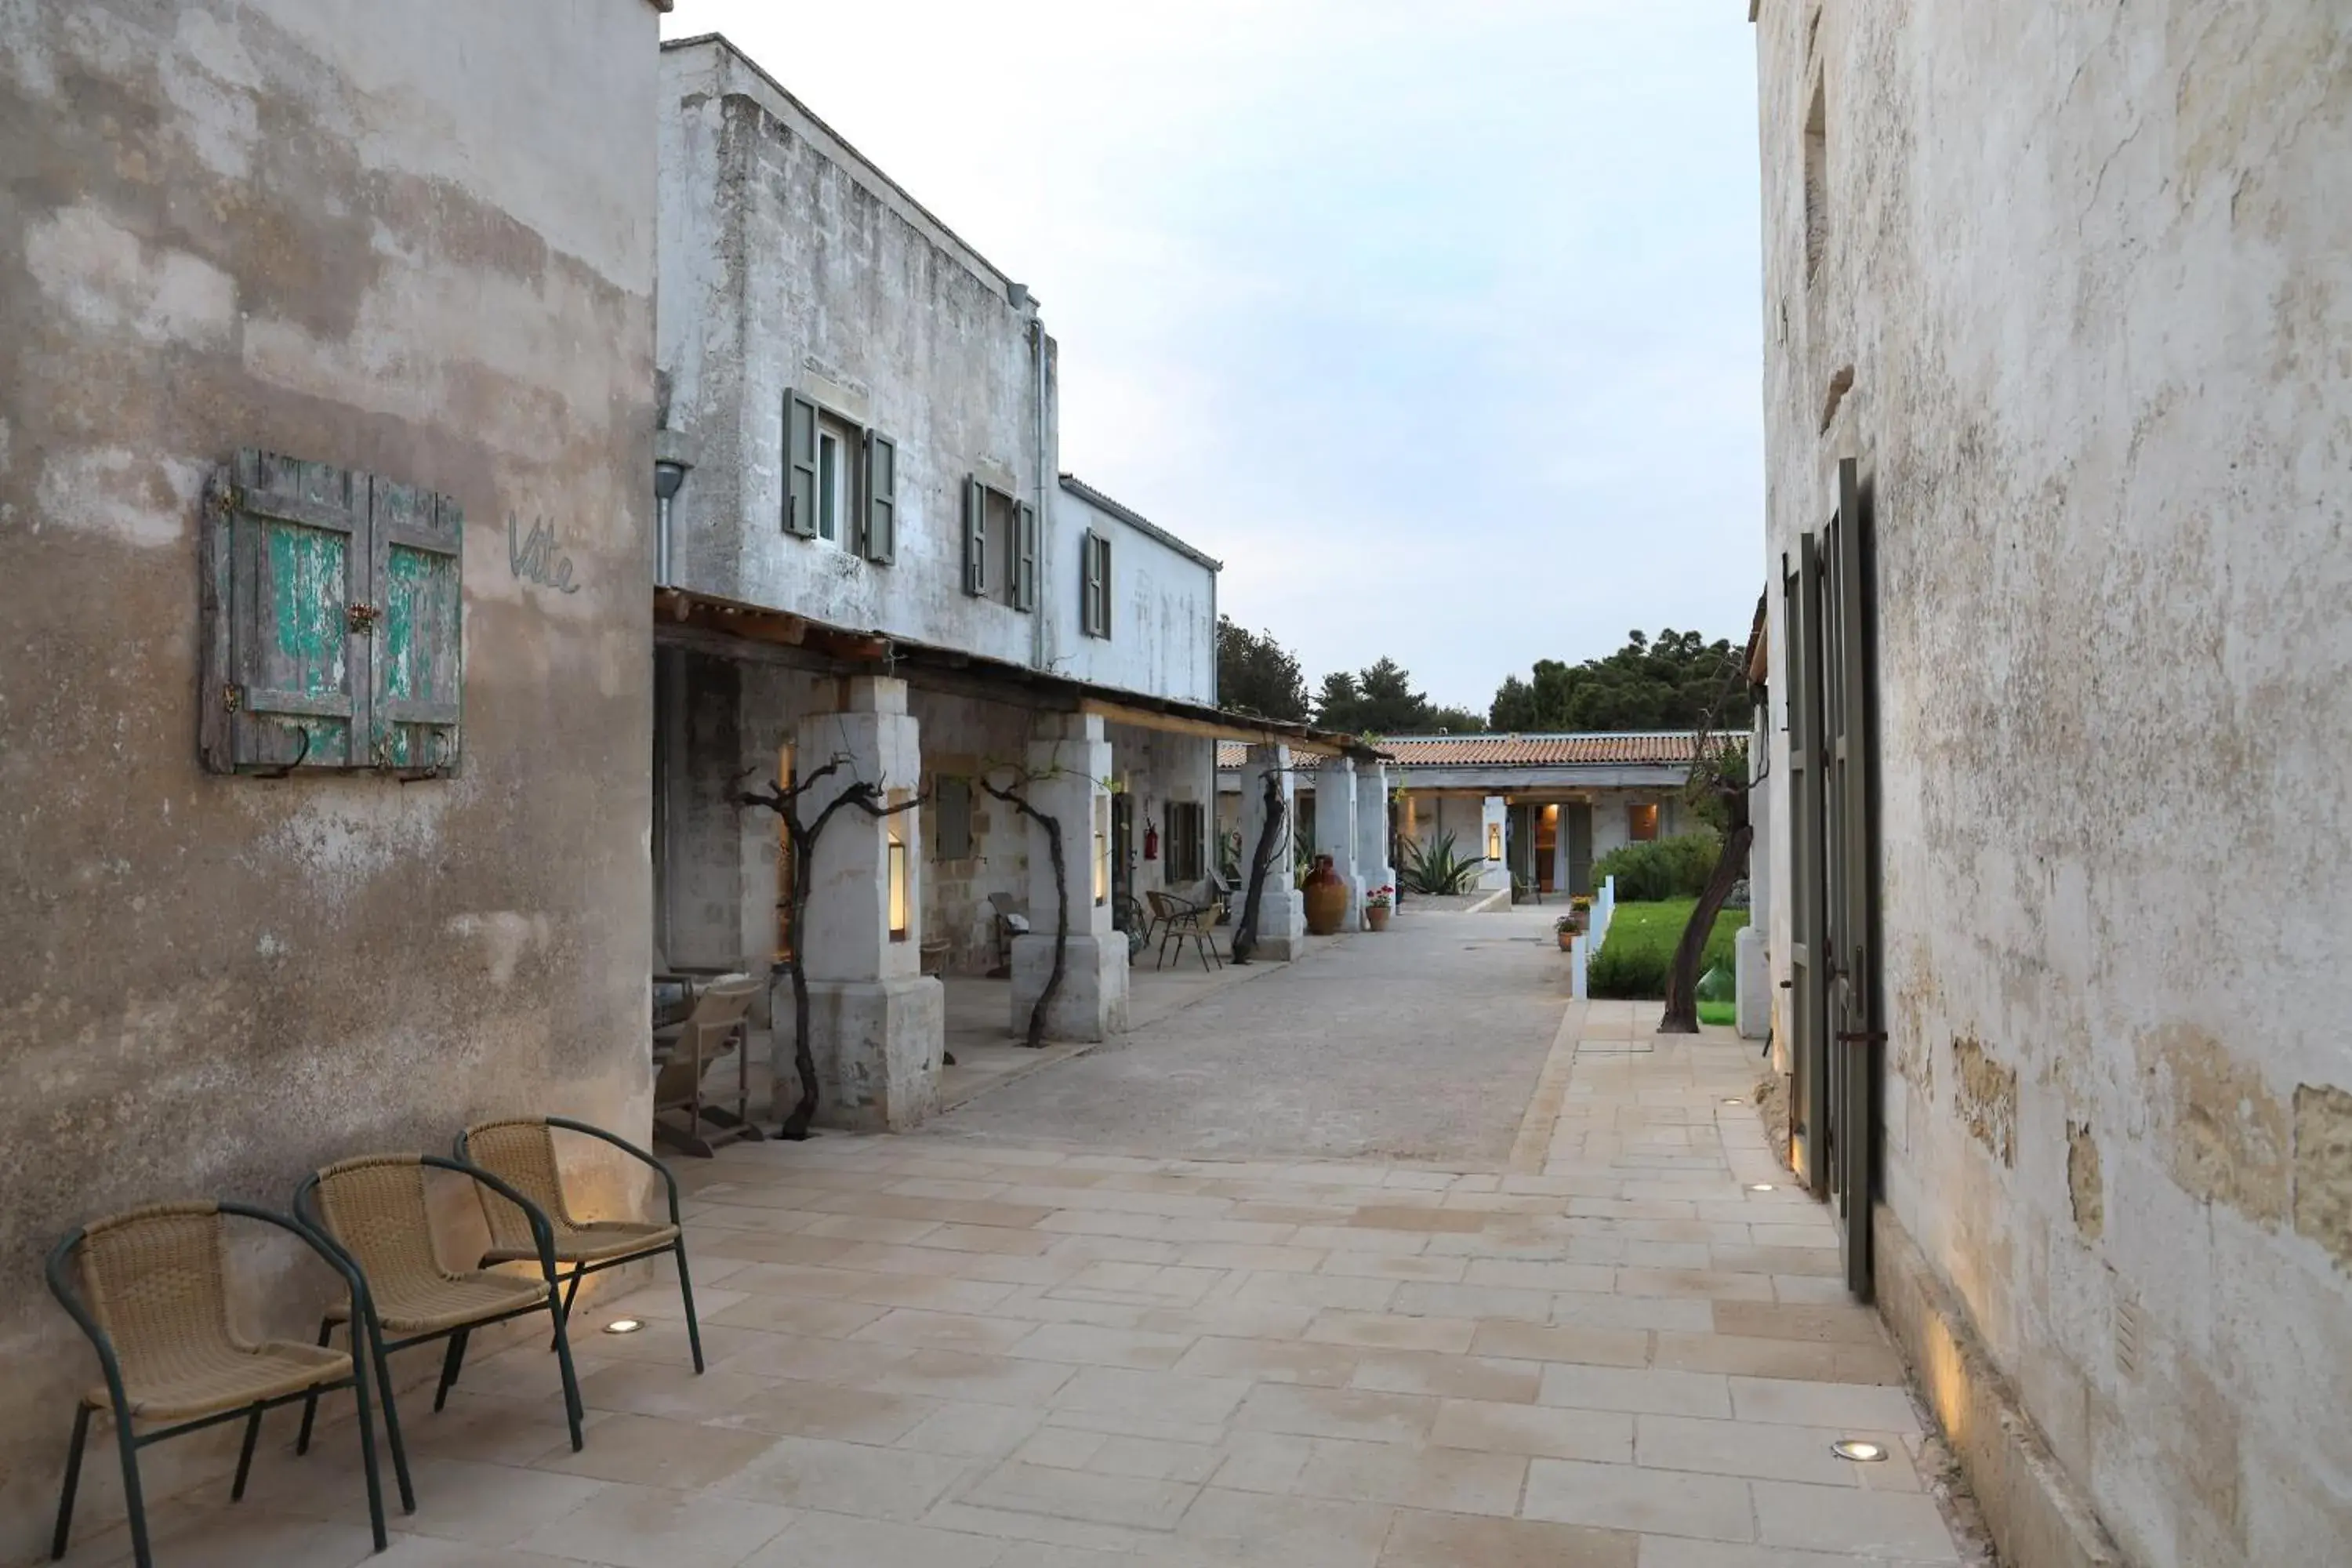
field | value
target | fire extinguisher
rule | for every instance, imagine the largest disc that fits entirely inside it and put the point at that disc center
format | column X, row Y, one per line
column 1150, row 841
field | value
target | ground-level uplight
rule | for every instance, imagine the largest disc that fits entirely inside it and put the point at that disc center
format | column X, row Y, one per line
column 1761, row 1187
column 1861, row 1450
column 1733, row 1100
column 624, row 1325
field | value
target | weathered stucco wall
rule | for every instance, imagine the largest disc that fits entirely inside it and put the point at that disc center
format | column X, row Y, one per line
column 411, row 239
column 2078, row 294
column 800, row 266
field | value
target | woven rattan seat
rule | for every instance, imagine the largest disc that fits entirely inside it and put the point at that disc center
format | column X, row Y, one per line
column 375, row 1207
column 520, row 1153
column 523, row 1153
column 153, row 1300
column 154, row 1278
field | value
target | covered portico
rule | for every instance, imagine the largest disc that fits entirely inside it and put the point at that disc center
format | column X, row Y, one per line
column 996, row 767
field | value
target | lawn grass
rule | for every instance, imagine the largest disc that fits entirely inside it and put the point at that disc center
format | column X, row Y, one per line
column 1639, row 949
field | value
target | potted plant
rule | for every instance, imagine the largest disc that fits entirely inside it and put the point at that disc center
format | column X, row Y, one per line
column 1376, row 908
column 1567, row 928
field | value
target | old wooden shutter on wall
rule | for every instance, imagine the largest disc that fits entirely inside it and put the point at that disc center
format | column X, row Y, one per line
column 419, row 654
column 285, row 583
column 881, row 540
column 975, row 537
column 1024, row 551
column 1093, row 604
column 800, row 466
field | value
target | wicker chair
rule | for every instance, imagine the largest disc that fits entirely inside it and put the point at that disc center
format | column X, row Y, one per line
column 373, row 1211
column 1181, row 921
column 153, row 1300
column 522, row 1152
column 704, row 1040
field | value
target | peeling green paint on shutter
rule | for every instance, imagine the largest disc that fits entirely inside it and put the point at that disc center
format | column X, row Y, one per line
column 285, row 581
column 419, row 654
column 881, row 540
column 800, row 466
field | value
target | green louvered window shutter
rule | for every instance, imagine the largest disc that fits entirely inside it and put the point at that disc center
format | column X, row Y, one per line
column 419, row 645
column 881, row 541
column 1094, row 598
column 286, row 596
column 800, row 466
column 1024, row 566
column 975, row 537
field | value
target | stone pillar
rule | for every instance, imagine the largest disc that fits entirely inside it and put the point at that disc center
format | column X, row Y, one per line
column 878, row 1026
column 1282, row 914
column 1494, row 842
column 1335, row 832
column 1069, row 764
column 1372, row 826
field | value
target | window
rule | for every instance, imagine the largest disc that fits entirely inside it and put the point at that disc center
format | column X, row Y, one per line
column 1642, row 821
column 1187, row 841
column 840, row 482
column 1000, row 545
column 308, row 563
column 833, row 498
column 1094, row 600
column 952, row 833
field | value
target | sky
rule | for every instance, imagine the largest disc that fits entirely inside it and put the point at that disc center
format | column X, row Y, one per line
column 1439, row 325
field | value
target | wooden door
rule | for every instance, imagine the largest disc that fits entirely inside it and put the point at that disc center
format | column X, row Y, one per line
column 1848, row 840
column 1807, row 1017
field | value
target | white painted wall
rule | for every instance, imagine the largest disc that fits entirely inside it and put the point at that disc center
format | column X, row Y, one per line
column 1163, row 625
column 2088, row 265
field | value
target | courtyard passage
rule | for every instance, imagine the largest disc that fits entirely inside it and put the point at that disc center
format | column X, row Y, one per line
column 1423, row 1042
column 1573, row 1337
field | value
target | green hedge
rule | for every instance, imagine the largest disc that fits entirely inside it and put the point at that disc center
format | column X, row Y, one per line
column 1675, row 868
column 1640, row 948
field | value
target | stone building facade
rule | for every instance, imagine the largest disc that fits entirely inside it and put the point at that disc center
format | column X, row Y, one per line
column 409, row 245
column 876, row 531
column 2065, row 648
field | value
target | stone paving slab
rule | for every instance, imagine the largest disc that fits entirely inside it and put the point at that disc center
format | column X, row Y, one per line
column 982, row 1353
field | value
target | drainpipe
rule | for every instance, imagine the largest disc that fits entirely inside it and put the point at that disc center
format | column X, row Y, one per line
column 1039, row 648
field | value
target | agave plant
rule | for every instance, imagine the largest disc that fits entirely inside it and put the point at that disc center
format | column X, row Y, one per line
column 1438, row 870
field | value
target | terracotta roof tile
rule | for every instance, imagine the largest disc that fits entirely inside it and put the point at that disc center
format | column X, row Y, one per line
column 1656, row 749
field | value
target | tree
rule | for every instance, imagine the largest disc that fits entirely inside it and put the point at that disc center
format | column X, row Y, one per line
column 1675, row 683
column 1338, row 705
column 1257, row 675
column 1452, row 721
column 1719, row 780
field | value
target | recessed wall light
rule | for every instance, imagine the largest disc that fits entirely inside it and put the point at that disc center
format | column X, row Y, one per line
column 1861, row 1450
column 624, row 1325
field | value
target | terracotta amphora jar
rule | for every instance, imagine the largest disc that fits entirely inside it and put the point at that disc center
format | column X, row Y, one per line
column 1327, row 898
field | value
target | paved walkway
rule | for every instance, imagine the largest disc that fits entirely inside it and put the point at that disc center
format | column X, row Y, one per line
column 1422, row 1042
column 974, row 1352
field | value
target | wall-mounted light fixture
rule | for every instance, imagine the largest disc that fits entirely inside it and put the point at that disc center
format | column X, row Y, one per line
column 900, row 899
column 1494, row 841
column 1102, row 849
column 668, row 474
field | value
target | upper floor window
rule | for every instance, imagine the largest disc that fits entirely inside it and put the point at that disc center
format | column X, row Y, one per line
column 1094, row 598
column 1000, row 545
column 840, row 482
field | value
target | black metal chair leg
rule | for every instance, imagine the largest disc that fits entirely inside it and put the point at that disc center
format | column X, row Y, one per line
column 570, row 1294
column 367, row 1446
column 572, row 1412
column 244, row 1455
column 391, row 1409
column 685, row 1293
column 134, row 1503
column 310, row 1402
column 72, row 1481
column 451, row 1359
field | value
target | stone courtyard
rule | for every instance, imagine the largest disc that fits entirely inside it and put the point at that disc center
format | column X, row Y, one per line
column 1584, row 1342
